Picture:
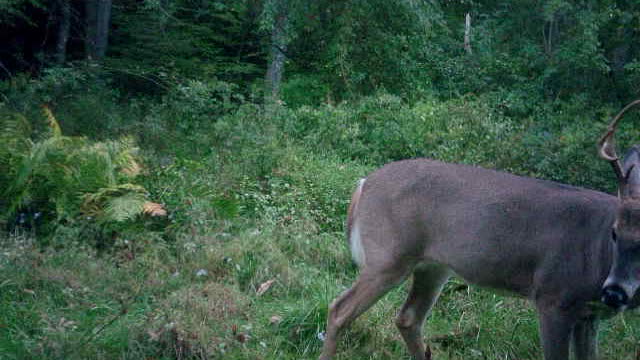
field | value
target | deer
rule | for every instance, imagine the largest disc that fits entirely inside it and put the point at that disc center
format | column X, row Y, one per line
column 571, row 251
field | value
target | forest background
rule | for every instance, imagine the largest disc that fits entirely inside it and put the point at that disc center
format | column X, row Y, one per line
column 174, row 174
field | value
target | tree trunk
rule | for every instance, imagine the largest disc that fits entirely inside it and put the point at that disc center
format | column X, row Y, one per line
column 98, row 14
column 62, row 36
column 467, row 34
column 620, row 53
column 619, row 57
column 275, row 67
column 550, row 33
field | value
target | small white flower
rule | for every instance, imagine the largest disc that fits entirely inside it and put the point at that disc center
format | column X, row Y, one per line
column 202, row 272
column 190, row 246
column 321, row 336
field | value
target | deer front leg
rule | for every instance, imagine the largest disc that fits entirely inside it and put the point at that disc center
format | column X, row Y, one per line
column 585, row 344
column 555, row 332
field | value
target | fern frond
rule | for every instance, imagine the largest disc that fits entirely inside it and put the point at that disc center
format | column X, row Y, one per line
column 117, row 203
column 132, row 170
column 72, row 174
column 154, row 209
column 97, row 161
column 45, row 158
column 52, row 121
column 15, row 131
column 125, row 207
column 125, row 156
column 42, row 155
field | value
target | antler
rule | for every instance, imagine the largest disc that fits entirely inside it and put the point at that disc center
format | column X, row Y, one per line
column 607, row 147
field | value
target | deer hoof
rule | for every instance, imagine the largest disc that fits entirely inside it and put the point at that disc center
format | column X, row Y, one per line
column 427, row 353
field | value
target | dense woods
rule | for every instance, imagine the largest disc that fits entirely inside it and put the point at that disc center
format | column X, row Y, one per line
column 552, row 50
column 174, row 174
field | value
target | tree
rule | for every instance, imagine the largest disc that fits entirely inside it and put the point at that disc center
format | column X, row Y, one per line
column 98, row 18
column 64, row 25
column 277, row 50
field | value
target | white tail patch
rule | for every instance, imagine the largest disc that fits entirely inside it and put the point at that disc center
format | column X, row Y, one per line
column 355, row 239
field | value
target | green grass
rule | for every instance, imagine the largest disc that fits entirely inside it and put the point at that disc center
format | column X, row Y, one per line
column 75, row 304
column 72, row 304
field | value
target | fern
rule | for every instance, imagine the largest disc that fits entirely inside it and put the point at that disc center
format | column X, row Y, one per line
column 56, row 131
column 118, row 203
column 71, row 176
column 15, row 130
column 14, row 144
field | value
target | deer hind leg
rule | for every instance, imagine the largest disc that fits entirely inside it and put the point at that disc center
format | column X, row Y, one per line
column 425, row 289
column 370, row 286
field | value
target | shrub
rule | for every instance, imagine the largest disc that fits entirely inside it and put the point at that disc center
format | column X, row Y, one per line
column 302, row 90
column 65, row 179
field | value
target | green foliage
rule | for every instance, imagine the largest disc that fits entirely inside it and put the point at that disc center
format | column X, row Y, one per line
column 196, row 102
column 14, row 135
column 205, row 40
column 118, row 203
column 303, row 89
column 10, row 10
column 65, row 177
column 551, row 49
column 81, row 96
column 371, row 46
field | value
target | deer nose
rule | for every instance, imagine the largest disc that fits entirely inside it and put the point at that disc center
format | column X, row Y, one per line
column 614, row 296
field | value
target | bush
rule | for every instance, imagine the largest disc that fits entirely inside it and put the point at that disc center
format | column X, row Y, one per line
column 306, row 90
column 66, row 179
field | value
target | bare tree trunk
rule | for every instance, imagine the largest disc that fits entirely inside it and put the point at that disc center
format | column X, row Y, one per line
column 91, row 8
column 98, row 14
column 619, row 57
column 275, row 67
column 64, row 24
column 620, row 53
column 467, row 34
column 549, row 34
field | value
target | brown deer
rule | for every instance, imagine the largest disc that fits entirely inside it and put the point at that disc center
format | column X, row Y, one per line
column 567, row 249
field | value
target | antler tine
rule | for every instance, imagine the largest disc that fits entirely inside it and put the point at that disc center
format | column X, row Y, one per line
column 606, row 144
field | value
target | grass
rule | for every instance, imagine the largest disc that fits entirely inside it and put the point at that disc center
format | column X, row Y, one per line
column 77, row 304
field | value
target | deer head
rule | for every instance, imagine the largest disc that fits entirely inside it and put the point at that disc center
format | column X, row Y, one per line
column 621, row 285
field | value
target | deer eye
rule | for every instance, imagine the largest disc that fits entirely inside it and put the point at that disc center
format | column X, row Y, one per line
column 614, row 236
